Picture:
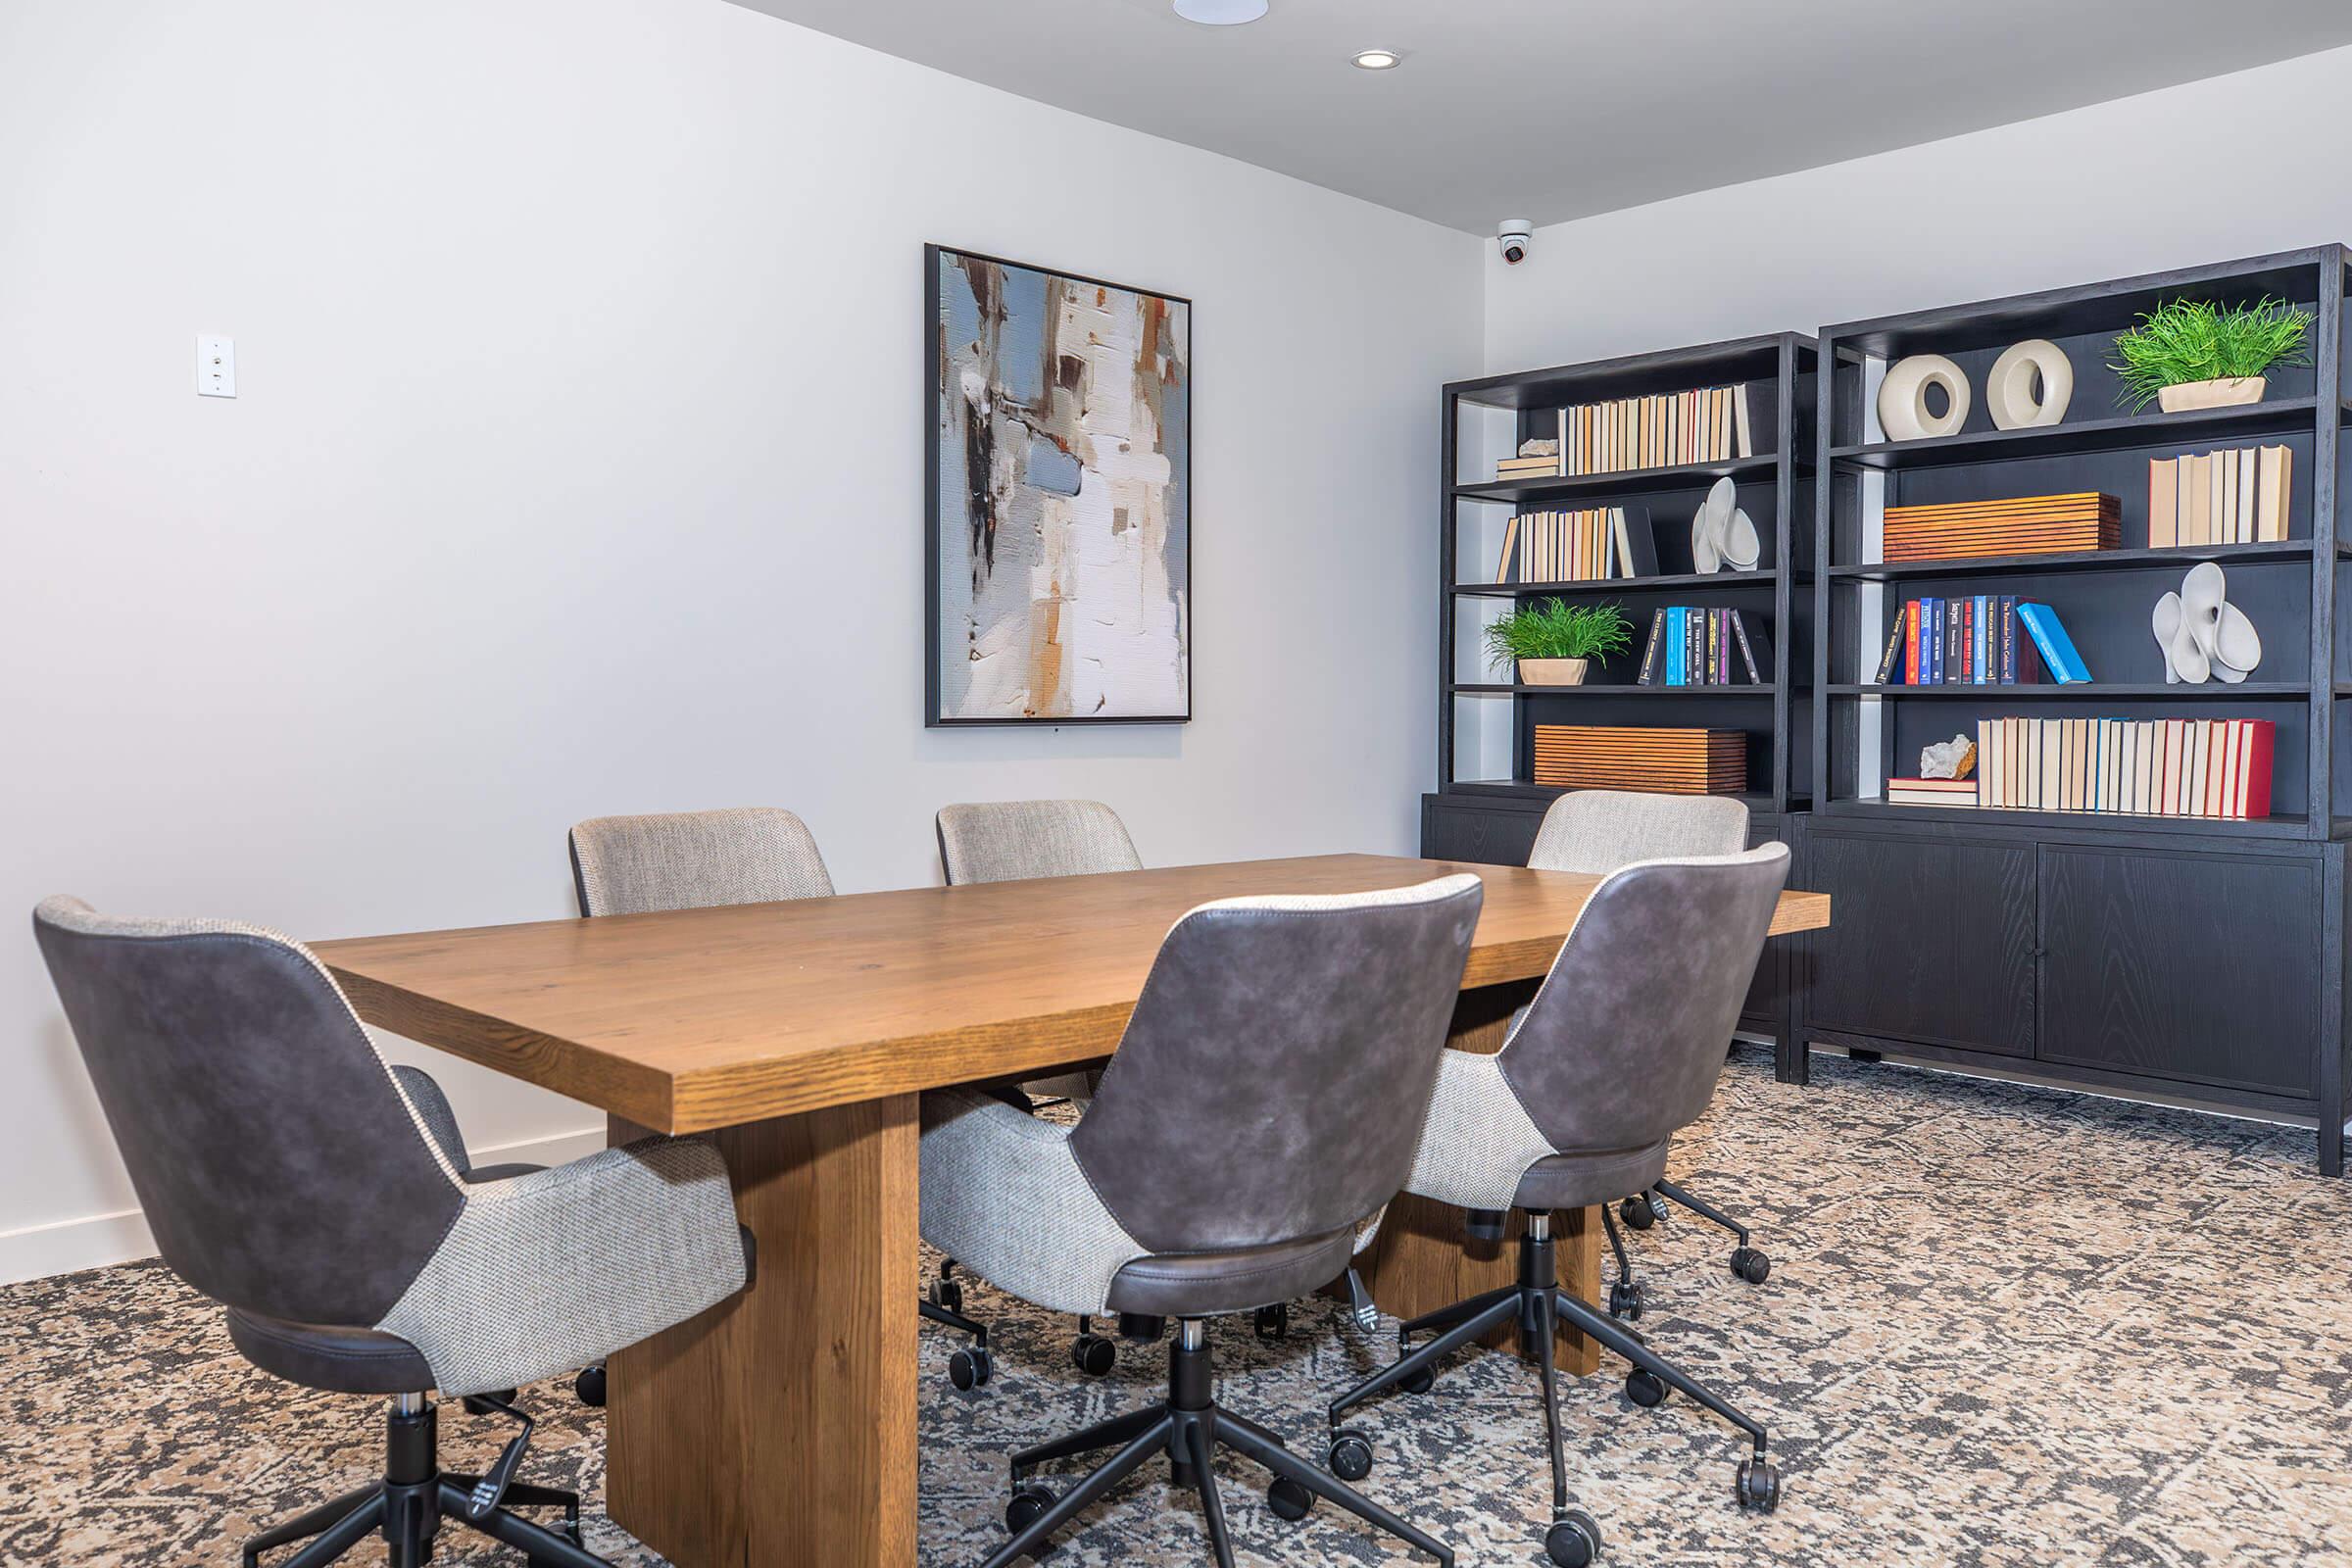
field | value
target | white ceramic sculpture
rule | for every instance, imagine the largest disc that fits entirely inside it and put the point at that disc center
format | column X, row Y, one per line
column 2009, row 395
column 1722, row 534
column 2203, row 635
column 1903, row 398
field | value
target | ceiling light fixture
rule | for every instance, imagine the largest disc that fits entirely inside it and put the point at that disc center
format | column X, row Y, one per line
column 1378, row 60
column 1220, row 13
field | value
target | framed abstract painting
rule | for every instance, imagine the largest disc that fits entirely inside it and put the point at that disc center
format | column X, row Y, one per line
column 1058, row 490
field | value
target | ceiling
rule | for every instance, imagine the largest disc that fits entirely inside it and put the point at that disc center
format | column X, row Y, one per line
column 1554, row 109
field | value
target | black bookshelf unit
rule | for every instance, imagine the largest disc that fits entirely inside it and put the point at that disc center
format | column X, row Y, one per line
column 1490, row 811
column 2196, row 958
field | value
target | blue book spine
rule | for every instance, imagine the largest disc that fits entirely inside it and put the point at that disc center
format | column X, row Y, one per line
column 1678, row 643
column 1935, row 642
column 2057, row 649
column 1980, row 627
column 2008, row 634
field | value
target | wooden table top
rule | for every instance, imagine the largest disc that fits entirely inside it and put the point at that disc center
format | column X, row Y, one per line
column 704, row 1018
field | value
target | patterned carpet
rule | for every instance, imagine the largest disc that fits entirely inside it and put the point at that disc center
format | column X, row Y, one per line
column 2005, row 1326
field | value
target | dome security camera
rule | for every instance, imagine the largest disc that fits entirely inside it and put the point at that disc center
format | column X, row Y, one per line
column 1515, row 238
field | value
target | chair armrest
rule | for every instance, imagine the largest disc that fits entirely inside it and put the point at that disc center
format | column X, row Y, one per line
column 552, row 1270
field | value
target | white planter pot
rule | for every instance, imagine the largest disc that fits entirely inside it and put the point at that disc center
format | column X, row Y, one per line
column 2227, row 392
column 1553, row 671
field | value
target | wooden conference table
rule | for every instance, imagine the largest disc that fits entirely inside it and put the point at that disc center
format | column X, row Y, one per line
column 778, row 1429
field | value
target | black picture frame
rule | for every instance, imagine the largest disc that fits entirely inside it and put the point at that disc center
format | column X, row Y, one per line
column 934, row 357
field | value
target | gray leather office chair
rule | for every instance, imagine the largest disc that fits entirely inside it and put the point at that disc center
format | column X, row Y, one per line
column 1597, row 831
column 291, row 1176
column 1620, row 1050
column 1013, row 841
column 1263, row 1105
column 704, row 860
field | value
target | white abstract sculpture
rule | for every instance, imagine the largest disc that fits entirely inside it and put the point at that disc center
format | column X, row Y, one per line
column 2009, row 389
column 1722, row 534
column 2202, row 634
column 1903, row 398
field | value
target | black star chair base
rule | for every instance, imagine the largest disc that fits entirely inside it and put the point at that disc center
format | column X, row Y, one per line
column 1620, row 1049
column 324, row 1198
column 1260, row 1111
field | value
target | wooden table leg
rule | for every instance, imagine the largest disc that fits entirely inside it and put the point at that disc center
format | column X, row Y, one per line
column 1422, row 1260
column 778, row 1429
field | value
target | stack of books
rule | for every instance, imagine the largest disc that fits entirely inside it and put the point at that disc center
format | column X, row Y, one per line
column 1577, row 546
column 1546, row 465
column 1665, row 430
column 1983, row 640
column 2239, row 497
column 2026, row 525
column 1661, row 761
column 1930, row 792
column 1693, row 646
column 2217, row 767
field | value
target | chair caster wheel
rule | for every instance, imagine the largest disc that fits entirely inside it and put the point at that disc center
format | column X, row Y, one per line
column 1573, row 1541
column 1645, row 1388
column 1420, row 1381
column 1640, row 1211
column 590, row 1384
column 1350, row 1455
column 1750, row 1265
column 1625, row 1300
column 947, row 1294
column 1759, row 1485
column 1273, row 1322
column 1092, row 1354
column 1289, row 1500
column 1030, row 1500
column 971, row 1369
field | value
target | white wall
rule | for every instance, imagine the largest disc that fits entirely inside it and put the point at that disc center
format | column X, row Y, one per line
column 2203, row 173
column 576, row 467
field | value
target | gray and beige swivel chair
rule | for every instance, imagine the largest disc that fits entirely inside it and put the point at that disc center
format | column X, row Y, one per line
column 703, row 860
column 1013, row 841
column 1263, row 1105
column 1597, row 831
column 1619, row 1051
column 291, row 1176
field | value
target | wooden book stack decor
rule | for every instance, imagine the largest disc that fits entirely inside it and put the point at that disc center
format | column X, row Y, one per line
column 1663, row 761
column 2026, row 525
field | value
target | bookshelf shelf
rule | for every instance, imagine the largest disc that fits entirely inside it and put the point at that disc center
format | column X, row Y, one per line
column 1620, row 689
column 2272, row 416
column 2093, row 691
column 2179, row 557
column 2104, row 949
column 1663, row 582
column 1622, row 482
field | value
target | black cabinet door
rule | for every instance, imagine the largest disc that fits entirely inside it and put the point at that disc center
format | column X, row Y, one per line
column 2201, row 967
column 1491, row 834
column 1929, row 939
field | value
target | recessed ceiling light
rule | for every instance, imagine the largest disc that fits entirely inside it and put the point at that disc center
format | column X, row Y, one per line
column 1221, row 13
column 1379, row 60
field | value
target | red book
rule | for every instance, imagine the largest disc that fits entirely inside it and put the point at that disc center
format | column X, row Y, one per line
column 2254, row 779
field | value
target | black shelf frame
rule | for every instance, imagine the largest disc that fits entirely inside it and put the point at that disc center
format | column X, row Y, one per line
column 1784, row 458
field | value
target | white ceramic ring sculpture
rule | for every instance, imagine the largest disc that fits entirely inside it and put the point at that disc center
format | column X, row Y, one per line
column 1903, row 398
column 2009, row 388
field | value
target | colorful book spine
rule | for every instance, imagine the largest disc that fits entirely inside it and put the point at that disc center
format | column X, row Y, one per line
column 2057, row 649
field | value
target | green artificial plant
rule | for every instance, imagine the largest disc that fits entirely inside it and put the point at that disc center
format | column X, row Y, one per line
column 2193, row 340
column 1557, row 629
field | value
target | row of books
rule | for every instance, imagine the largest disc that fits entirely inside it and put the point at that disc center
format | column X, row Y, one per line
column 1660, row 761
column 1578, row 546
column 1695, row 645
column 2237, row 497
column 2217, row 767
column 1981, row 640
column 1666, row 429
column 2021, row 525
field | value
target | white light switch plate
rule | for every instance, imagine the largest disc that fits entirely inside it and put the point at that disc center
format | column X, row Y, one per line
column 215, row 367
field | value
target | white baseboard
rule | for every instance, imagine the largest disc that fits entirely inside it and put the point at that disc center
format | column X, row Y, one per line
column 95, row 1241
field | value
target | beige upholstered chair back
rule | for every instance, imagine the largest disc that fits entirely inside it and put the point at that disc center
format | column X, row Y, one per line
column 694, row 861
column 1597, row 831
column 1007, row 841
